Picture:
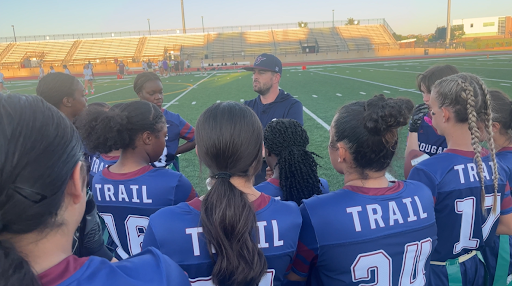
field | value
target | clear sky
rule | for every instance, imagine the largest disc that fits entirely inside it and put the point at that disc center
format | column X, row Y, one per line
column 43, row 17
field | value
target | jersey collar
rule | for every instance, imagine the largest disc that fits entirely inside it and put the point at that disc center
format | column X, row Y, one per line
column 399, row 185
column 125, row 176
column 61, row 271
column 257, row 205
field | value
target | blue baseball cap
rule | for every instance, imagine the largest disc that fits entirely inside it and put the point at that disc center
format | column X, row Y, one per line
column 266, row 62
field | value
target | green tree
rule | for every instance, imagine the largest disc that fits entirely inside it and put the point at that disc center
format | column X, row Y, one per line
column 302, row 24
column 351, row 21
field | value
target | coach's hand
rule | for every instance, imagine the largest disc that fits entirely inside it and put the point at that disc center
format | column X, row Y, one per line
column 419, row 112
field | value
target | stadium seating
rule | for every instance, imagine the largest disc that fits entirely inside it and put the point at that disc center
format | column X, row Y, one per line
column 106, row 49
column 197, row 45
column 366, row 37
column 49, row 51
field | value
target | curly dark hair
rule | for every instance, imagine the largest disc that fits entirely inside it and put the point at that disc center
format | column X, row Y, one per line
column 298, row 176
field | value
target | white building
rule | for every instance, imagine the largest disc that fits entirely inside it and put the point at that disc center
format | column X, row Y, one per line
column 487, row 26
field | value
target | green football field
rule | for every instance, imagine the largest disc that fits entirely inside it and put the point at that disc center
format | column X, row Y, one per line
column 321, row 89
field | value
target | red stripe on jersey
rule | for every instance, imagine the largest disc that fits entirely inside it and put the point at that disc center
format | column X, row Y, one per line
column 110, row 158
column 376, row 191
column 187, row 132
column 192, row 195
column 469, row 154
column 258, row 204
column 504, row 149
column 125, row 176
column 61, row 271
column 435, row 199
column 506, row 203
column 274, row 182
column 306, row 254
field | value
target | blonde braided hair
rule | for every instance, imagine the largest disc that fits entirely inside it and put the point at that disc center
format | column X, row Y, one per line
column 470, row 101
column 469, row 96
column 490, row 142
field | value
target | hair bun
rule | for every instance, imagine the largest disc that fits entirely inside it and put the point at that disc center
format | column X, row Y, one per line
column 385, row 114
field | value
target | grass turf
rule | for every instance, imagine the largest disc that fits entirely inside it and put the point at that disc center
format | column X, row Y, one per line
column 321, row 89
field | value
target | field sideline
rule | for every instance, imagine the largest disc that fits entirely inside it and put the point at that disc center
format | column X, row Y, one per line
column 322, row 89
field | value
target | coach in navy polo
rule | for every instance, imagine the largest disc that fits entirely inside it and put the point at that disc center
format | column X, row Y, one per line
column 271, row 102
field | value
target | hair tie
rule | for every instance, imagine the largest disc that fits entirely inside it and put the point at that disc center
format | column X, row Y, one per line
column 223, row 175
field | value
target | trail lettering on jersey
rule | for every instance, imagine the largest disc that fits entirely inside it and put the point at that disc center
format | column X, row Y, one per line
column 427, row 148
column 110, row 193
column 262, row 228
column 470, row 171
column 375, row 212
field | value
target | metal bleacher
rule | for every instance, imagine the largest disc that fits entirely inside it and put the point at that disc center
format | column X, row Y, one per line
column 222, row 42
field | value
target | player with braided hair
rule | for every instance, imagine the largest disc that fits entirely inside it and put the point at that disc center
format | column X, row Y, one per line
column 294, row 168
column 372, row 231
column 472, row 196
column 497, row 256
column 423, row 140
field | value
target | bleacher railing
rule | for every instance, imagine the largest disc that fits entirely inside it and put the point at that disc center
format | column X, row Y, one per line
column 58, row 37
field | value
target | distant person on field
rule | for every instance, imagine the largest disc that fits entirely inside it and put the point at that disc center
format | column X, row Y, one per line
column 52, row 70
column 187, row 66
column 177, row 67
column 165, row 66
column 144, row 66
column 182, row 65
column 2, row 87
column 271, row 102
column 203, row 70
column 150, row 66
column 88, row 78
column 121, row 68
column 66, row 70
column 41, row 72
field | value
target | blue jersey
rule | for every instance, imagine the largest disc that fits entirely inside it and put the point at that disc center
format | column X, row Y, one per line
column 455, row 184
column 149, row 267
column 271, row 187
column 490, row 254
column 125, row 202
column 177, row 128
column 177, row 232
column 429, row 141
column 367, row 235
column 99, row 163
column 284, row 106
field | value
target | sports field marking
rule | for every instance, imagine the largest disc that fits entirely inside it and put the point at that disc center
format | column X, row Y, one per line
column 218, row 101
column 491, row 79
column 194, row 102
column 108, row 92
column 186, row 91
column 385, row 91
column 338, row 94
column 377, row 83
column 241, row 100
column 314, row 95
column 388, row 176
column 362, row 92
column 505, row 84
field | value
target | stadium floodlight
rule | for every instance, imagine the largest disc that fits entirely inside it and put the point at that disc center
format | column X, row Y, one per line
column 177, row 31
column 112, row 34
column 356, row 22
column 14, row 32
column 149, row 27
column 47, row 37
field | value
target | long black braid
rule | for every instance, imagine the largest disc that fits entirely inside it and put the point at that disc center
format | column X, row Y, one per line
column 298, row 177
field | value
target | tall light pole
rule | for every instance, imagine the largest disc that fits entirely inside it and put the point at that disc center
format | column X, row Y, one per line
column 14, row 32
column 202, row 22
column 183, row 17
column 149, row 27
column 333, row 18
column 448, row 26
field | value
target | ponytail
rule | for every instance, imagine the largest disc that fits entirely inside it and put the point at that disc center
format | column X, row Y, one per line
column 14, row 268
column 229, row 137
column 228, row 222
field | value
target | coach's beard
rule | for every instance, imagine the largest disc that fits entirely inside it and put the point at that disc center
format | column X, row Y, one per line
column 262, row 90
